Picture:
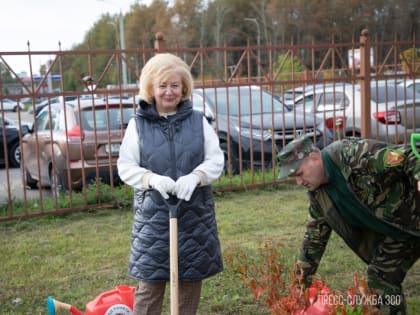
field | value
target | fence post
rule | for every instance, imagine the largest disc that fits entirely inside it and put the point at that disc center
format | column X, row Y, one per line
column 160, row 45
column 365, row 67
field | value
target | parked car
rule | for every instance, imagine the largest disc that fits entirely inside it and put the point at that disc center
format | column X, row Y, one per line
column 44, row 103
column 75, row 143
column 395, row 111
column 411, row 84
column 67, row 98
column 10, row 105
column 251, row 123
column 290, row 96
column 23, row 125
column 11, row 130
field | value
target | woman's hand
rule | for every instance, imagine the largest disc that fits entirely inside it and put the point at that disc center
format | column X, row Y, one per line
column 185, row 186
column 163, row 184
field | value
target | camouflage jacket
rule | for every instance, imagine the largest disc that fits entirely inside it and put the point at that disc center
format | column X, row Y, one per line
column 383, row 178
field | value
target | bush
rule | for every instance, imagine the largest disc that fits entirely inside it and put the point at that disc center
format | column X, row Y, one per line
column 286, row 295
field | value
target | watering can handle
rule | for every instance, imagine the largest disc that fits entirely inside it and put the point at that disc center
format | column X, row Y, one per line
column 415, row 137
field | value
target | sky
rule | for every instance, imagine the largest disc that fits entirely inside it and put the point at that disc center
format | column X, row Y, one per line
column 45, row 23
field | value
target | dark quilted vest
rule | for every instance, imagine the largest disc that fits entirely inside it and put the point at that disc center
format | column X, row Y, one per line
column 173, row 147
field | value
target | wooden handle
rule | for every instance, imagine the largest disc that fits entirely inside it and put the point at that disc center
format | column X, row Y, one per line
column 173, row 249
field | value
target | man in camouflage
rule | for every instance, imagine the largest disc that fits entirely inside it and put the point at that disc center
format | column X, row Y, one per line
column 367, row 192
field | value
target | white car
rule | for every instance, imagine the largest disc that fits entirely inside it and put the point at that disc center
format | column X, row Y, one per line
column 290, row 96
column 395, row 111
column 10, row 105
column 411, row 84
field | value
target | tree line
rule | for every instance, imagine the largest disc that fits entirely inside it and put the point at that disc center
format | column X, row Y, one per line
column 217, row 23
column 188, row 23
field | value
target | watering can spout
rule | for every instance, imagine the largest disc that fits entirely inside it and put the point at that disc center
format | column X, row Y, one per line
column 53, row 306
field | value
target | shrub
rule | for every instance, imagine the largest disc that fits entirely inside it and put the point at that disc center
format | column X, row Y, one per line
column 286, row 295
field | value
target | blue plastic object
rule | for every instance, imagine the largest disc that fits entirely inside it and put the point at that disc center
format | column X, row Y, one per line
column 50, row 306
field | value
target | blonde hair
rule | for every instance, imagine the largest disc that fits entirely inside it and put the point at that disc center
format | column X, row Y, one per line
column 160, row 67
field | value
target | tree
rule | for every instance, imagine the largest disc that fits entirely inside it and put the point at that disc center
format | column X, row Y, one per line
column 191, row 23
column 186, row 18
column 143, row 22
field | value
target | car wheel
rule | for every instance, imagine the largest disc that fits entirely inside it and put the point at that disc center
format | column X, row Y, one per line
column 232, row 166
column 56, row 183
column 14, row 154
column 30, row 182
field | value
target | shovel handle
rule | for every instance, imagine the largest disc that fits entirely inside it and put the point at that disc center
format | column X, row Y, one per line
column 173, row 254
column 173, row 258
column 173, row 208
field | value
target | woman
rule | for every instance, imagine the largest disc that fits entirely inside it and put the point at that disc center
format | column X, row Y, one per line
column 170, row 151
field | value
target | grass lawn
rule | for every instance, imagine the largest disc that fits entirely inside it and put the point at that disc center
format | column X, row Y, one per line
column 76, row 257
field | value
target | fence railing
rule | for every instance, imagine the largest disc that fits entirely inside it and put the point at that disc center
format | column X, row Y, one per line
column 323, row 89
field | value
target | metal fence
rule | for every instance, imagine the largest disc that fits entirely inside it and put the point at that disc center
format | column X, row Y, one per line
column 324, row 89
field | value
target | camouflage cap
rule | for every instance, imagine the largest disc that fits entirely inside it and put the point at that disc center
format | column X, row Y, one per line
column 292, row 155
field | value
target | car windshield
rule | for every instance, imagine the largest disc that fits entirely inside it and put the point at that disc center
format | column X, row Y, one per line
column 99, row 119
column 251, row 101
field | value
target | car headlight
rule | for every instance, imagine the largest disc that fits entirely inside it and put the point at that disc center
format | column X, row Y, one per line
column 256, row 134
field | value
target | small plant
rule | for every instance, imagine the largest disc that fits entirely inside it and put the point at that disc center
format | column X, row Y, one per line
column 268, row 282
column 267, row 279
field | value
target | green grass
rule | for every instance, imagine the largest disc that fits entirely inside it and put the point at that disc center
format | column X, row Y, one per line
column 75, row 257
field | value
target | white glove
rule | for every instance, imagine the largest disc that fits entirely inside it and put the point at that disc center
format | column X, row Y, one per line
column 163, row 184
column 185, row 186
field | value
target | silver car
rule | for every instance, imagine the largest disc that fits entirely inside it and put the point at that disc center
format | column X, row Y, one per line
column 411, row 84
column 395, row 111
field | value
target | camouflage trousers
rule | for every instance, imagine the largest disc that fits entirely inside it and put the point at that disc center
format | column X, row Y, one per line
column 386, row 272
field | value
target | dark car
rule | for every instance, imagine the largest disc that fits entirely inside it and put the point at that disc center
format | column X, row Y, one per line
column 252, row 124
column 10, row 151
column 74, row 143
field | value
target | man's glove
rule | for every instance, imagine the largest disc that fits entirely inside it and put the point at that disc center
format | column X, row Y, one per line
column 185, row 186
column 163, row 184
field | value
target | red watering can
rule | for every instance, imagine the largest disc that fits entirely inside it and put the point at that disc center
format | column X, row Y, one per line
column 118, row 301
